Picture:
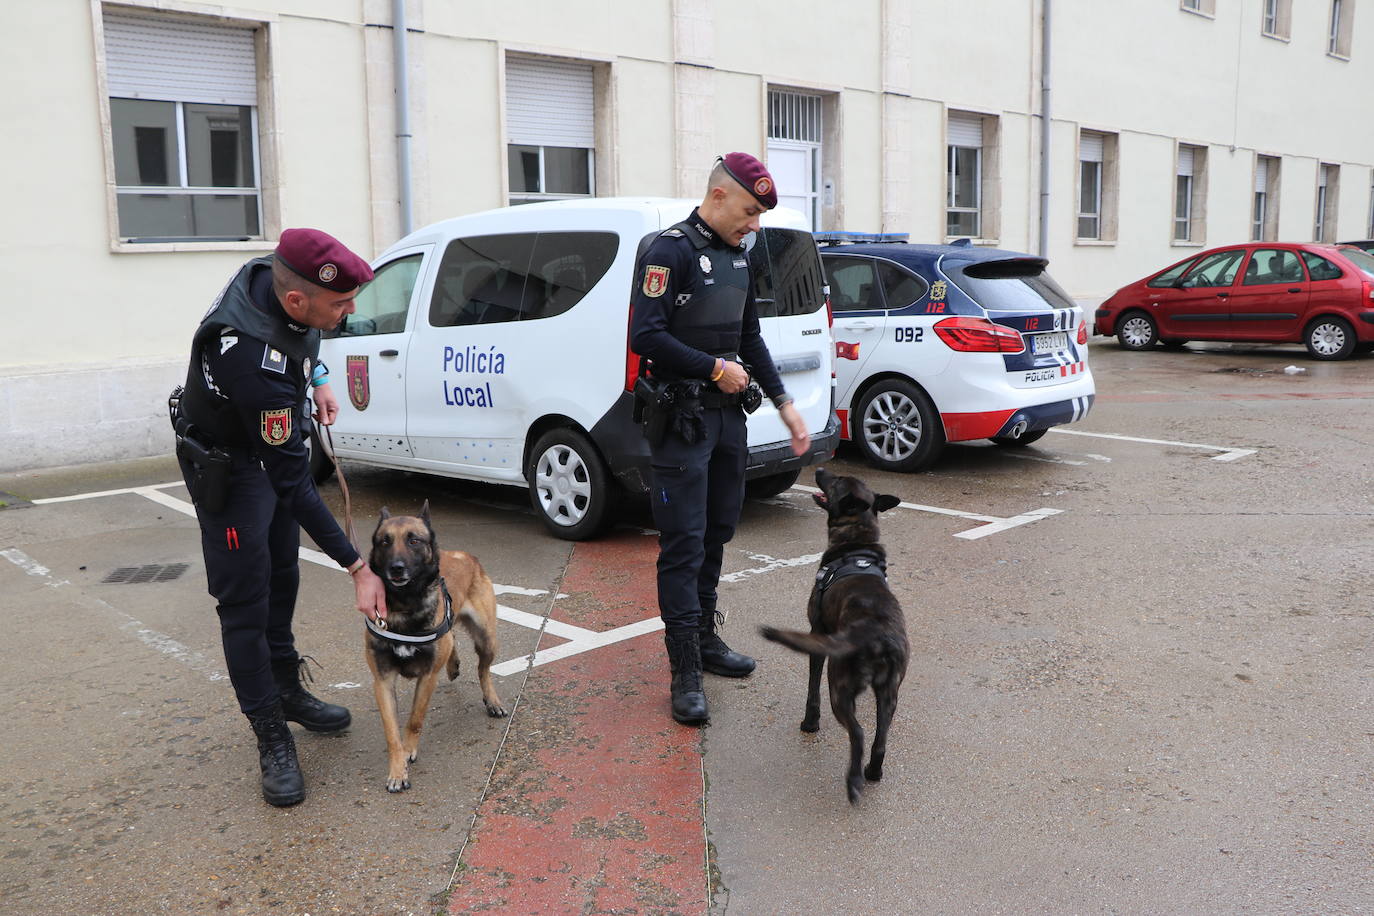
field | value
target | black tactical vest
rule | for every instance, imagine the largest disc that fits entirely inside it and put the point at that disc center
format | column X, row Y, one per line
column 204, row 406
column 708, row 312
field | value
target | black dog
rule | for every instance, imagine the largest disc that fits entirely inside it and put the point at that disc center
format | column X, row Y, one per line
column 856, row 623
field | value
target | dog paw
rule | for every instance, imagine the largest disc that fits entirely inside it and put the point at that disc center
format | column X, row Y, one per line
column 811, row 725
column 397, row 784
column 496, row 711
column 873, row 774
column 856, row 792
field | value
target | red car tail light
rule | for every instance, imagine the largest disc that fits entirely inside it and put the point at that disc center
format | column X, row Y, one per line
column 1082, row 333
column 978, row 335
column 631, row 357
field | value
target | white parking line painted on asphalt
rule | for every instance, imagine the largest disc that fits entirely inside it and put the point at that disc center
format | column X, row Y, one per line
column 585, row 643
column 1024, row 457
column 992, row 524
column 159, row 642
column 1227, row 452
column 769, row 564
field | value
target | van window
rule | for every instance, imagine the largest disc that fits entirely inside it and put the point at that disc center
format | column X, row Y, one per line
column 518, row 277
column 786, row 270
column 565, row 266
column 481, row 280
column 382, row 305
column 1010, row 285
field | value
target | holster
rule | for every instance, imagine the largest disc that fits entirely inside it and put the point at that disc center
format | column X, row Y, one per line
column 211, row 465
column 653, row 408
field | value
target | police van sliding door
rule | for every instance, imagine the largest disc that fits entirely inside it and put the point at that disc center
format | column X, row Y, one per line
column 367, row 362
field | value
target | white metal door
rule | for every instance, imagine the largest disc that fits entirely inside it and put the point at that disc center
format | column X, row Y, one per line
column 793, row 165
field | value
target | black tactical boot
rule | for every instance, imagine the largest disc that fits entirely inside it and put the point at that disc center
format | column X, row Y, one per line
column 684, row 655
column 298, row 705
column 282, row 782
column 716, row 656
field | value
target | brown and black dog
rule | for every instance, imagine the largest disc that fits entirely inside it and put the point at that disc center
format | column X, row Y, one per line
column 856, row 623
column 423, row 585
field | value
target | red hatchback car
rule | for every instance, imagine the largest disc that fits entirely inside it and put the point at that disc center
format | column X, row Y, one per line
column 1261, row 292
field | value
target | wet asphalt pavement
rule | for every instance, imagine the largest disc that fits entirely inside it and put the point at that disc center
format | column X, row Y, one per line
column 1156, row 699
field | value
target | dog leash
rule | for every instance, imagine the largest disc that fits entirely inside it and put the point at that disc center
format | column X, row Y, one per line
column 348, row 517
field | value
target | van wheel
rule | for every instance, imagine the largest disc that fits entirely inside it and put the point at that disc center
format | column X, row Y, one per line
column 898, row 427
column 1025, row 439
column 772, row 485
column 1329, row 338
column 321, row 468
column 1137, row 331
column 569, row 486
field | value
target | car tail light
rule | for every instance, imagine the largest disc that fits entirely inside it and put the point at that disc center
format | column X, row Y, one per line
column 1368, row 290
column 978, row 335
column 1082, row 333
column 829, row 312
column 631, row 357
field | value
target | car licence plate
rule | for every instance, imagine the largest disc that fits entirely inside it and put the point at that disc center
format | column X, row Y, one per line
column 1047, row 343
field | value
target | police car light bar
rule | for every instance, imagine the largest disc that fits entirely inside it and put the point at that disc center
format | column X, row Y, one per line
column 840, row 238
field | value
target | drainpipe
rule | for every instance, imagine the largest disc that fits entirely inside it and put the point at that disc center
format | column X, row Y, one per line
column 1044, row 240
column 398, row 40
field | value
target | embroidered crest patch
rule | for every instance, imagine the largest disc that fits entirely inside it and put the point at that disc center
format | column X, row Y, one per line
column 359, row 391
column 276, row 425
column 655, row 280
column 328, row 272
column 705, row 263
column 762, row 187
column 273, row 359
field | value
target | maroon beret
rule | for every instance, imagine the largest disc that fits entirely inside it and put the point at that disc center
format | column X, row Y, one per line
column 322, row 259
column 751, row 174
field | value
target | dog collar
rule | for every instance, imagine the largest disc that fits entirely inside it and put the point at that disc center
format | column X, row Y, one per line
column 863, row 561
column 427, row 635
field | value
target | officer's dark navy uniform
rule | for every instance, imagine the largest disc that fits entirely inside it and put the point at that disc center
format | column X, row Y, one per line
column 245, row 411
column 693, row 311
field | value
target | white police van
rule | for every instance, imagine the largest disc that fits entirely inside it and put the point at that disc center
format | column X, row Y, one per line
column 949, row 343
column 494, row 347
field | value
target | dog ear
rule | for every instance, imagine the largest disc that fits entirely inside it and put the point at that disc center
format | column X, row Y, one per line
column 424, row 514
column 821, row 501
column 886, row 501
column 386, row 513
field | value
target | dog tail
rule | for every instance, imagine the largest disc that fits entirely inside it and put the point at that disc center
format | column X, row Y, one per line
column 809, row 643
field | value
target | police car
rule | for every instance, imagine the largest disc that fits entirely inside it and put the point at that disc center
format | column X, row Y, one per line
column 949, row 343
column 494, row 347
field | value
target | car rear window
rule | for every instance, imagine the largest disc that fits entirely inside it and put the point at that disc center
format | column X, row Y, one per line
column 1361, row 259
column 1010, row 285
column 786, row 269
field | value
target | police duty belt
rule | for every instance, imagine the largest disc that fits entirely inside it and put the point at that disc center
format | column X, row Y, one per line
column 425, row 636
column 863, row 561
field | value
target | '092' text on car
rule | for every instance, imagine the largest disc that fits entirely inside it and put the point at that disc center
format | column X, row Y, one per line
column 948, row 343
column 494, row 347
column 1261, row 292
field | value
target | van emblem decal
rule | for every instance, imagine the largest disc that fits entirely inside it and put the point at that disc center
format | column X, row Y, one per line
column 359, row 390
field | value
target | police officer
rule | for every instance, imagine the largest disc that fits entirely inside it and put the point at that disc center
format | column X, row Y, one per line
column 242, row 426
column 695, row 323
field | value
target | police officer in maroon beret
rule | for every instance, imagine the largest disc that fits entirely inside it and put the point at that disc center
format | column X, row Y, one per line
column 695, row 325
column 242, row 423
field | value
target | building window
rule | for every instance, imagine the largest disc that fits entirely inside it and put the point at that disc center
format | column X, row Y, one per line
column 1277, row 18
column 1203, row 7
column 795, row 129
column 183, row 128
column 1370, row 233
column 1190, row 190
column 1264, row 221
column 1338, row 36
column 971, row 167
column 1328, row 193
column 550, row 129
column 1096, row 186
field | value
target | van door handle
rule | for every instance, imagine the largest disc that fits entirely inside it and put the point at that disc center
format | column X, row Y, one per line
column 860, row 325
column 390, row 353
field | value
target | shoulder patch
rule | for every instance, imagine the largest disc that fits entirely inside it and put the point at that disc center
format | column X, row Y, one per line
column 225, row 342
column 673, row 233
column 273, row 359
column 276, row 425
column 655, row 280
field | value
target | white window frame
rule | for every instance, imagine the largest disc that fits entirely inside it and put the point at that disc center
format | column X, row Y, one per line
column 1206, row 8
column 1276, row 19
column 1094, row 212
column 1328, row 202
column 985, row 179
column 589, row 143
column 952, row 177
column 796, row 121
column 262, row 118
column 1104, row 186
column 1339, row 28
column 1370, row 227
column 1190, row 224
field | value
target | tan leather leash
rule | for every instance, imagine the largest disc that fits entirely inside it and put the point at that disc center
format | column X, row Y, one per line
column 348, row 506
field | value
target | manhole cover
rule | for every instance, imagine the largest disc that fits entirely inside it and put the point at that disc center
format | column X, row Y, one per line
column 129, row 575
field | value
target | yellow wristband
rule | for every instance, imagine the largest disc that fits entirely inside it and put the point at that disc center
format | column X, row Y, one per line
column 357, row 565
column 720, row 370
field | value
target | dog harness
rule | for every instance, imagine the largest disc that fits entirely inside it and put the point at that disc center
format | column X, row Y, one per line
column 861, row 562
column 424, row 636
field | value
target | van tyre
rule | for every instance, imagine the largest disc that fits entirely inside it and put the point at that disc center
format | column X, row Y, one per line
column 570, row 488
column 1137, row 331
column 1329, row 338
column 898, row 427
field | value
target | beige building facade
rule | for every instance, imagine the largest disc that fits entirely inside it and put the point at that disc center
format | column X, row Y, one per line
column 155, row 145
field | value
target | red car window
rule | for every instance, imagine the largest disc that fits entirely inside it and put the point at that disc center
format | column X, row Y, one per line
column 1320, row 268
column 1272, row 265
column 1217, row 269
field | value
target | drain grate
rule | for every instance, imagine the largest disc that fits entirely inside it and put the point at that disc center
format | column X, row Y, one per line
column 130, row 575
